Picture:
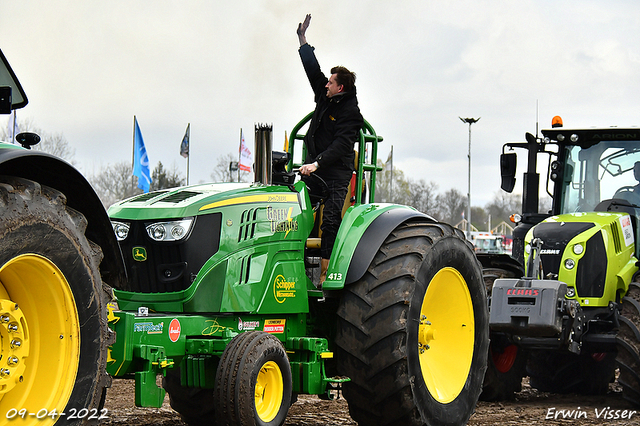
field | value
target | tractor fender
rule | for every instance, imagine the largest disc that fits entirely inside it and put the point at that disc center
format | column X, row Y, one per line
column 51, row 171
column 363, row 230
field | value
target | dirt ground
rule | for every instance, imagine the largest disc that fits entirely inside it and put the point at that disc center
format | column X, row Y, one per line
column 530, row 407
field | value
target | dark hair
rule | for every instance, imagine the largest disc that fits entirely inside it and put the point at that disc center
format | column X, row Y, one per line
column 344, row 77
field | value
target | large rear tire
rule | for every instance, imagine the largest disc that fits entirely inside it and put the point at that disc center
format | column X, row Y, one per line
column 253, row 382
column 506, row 365
column 413, row 333
column 628, row 359
column 53, row 322
column 565, row 372
column 195, row 405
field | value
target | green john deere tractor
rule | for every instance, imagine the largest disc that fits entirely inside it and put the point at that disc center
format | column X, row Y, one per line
column 57, row 252
column 223, row 300
column 573, row 317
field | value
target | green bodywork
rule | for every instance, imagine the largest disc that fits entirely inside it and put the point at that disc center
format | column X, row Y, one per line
column 256, row 280
column 618, row 257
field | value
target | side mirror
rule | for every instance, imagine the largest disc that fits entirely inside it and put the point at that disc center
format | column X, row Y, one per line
column 508, row 162
column 5, row 100
column 27, row 139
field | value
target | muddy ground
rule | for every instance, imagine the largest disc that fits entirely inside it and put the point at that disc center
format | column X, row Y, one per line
column 530, row 407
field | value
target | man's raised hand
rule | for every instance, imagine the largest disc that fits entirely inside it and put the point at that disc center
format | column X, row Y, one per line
column 302, row 29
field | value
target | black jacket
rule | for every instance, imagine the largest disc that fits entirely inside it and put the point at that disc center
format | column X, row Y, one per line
column 335, row 124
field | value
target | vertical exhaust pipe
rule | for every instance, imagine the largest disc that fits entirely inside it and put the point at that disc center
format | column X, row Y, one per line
column 262, row 158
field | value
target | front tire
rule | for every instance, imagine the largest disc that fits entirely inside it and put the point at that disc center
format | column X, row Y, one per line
column 53, row 322
column 413, row 332
column 253, row 382
column 628, row 359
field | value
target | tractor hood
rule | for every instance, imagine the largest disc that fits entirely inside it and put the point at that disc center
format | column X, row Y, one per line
column 196, row 200
column 587, row 251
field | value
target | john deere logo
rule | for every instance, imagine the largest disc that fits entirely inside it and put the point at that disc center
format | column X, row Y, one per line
column 139, row 254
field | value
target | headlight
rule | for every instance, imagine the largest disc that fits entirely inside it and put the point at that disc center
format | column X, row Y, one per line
column 169, row 231
column 121, row 230
column 569, row 263
column 578, row 249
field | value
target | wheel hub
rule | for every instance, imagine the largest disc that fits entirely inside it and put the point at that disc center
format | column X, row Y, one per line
column 445, row 357
column 268, row 391
column 14, row 345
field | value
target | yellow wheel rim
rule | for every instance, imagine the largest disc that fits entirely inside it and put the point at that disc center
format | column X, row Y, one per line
column 446, row 335
column 269, row 391
column 39, row 340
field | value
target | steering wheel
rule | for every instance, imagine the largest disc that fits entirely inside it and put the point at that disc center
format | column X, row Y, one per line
column 628, row 193
column 315, row 180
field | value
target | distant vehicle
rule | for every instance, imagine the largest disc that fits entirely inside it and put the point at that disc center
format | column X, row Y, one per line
column 486, row 242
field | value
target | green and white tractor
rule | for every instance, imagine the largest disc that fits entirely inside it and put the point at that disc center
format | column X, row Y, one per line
column 573, row 317
column 223, row 300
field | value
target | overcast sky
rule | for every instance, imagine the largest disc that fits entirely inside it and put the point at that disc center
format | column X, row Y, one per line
column 89, row 66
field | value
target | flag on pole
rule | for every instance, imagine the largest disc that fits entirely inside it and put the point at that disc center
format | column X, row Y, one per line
column 12, row 127
column 388, row 165
column 140, row 159
column 184, row 146
column 246, row 159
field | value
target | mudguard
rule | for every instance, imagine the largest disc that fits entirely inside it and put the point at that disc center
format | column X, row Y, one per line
column 363, row 230
column 49, row 170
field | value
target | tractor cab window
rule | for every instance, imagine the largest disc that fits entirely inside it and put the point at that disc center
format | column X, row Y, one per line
column 601, row 172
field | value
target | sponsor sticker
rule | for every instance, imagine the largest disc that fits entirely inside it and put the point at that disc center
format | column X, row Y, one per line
column 627, row 230
column 283, row 289
column 247, row 325
column 174, row 330
column 274, row 325
column 148, row 327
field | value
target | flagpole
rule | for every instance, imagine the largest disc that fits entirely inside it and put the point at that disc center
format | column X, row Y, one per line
column 133, row 150
column 188, row 156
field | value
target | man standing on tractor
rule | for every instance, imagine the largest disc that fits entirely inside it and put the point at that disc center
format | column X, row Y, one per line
column 333, row 130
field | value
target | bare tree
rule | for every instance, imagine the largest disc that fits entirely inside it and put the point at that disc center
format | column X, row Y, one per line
column 503, row 206
column 52, row 143
column 423, row 196
column 115, row 183
column 451, row 204
column 226, row 170
column 162, row 178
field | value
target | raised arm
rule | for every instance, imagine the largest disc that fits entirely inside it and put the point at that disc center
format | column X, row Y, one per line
column 302, row 29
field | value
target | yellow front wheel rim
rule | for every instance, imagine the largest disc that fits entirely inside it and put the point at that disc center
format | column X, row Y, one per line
column 269, row 391
column 37, row 309
column 446, row 335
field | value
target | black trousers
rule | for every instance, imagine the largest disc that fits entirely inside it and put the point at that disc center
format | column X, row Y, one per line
column 334, row 195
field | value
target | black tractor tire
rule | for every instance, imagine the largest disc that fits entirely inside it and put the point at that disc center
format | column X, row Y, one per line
column 424, row 278
column 253, row 364
column 565, row 372
column 195, row 405
column 506, row 365
column 53, row 319
column 628, row 340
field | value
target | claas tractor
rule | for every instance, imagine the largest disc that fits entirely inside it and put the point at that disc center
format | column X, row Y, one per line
column 572, row 317
column 58, row 259
column 223, row 300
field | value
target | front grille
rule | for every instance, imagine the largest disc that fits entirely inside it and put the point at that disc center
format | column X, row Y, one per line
column 169, row 266
column 556, row 236
column 592, row 268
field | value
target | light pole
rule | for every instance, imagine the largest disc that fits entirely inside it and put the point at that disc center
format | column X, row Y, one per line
column 469, row 121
